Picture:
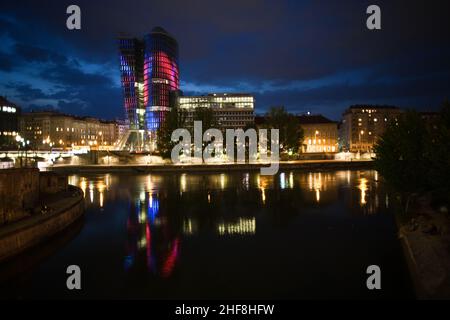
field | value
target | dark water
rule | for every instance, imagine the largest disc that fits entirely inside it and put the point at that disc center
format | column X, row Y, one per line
column 238, row 235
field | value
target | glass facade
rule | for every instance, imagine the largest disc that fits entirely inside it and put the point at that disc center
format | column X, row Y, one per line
column 230, row 110
column 160, row 75
column 149, row 74
column 132, row 78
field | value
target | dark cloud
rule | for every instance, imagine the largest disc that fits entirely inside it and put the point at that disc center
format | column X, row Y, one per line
column 70, row 75
column 228, row 43
column 6, row 63
column 38, row 54
column 26, row 92
column 41, row 107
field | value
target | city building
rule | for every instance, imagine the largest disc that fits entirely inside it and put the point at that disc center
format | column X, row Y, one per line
column 51, row 129
column 230, row 110
column 122, row 128
column 362, row 125
column 132, row 78
column 320, row 135
column 9, row 125
column 149, row 74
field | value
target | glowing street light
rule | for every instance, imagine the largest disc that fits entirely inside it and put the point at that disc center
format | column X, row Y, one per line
column 361, row 133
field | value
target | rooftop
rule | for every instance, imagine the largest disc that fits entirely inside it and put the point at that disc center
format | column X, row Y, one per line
column 314, row 119
column 55, row 113
column 303, row 119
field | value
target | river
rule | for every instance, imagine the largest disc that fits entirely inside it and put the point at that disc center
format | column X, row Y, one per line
column 224, row 235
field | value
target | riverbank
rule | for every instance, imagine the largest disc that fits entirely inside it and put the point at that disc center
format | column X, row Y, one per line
column 61, row 210
column 307, row 165
column 426, row 244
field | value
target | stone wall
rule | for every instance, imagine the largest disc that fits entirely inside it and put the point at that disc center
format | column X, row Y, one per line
column 19, row 191
column 30, row 232
column 50, row 182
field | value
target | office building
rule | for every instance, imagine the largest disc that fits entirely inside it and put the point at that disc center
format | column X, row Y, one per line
column 230, row 110
column 149, row 73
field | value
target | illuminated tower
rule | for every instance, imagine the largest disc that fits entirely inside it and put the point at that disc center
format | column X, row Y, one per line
column 132, row 78
column 149, row 75
column 160, row 77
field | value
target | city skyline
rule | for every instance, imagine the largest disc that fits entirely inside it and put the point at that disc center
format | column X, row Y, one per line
column 288, row 56
column 192, row 153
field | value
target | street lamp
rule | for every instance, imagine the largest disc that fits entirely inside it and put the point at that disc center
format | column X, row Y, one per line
column 101, row 135
column 315, row 140
column 360, row 145
column 18, row 147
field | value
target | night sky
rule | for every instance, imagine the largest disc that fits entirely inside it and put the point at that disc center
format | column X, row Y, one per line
column 313, row 56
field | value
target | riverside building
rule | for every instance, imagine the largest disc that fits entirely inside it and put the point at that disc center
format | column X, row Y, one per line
column 320, row 135
column 362, row 126
column 230, row 110
column 51, row 129
column 149, row 74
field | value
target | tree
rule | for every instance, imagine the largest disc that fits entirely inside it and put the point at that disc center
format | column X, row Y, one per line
column 402, row 155
column 206, row 116
column 175, row 118
column 291, row 133
column 414, row 156
column 438, row 152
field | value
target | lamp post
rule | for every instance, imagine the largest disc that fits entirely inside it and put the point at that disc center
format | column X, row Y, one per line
column 26, row 144
column 101, row 135
column 361, row 133
column 315, row 140
column 18, row 140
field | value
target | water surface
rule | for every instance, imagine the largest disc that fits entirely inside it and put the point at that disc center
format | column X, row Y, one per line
column 225, row 235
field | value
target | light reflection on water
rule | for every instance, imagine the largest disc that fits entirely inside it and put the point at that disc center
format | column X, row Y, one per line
column 230, row 235
column 149, row 221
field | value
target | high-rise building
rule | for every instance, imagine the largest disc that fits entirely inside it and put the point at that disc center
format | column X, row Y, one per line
column 132, row 77
column 362, row 125
column 160, row 75
column 149, row 74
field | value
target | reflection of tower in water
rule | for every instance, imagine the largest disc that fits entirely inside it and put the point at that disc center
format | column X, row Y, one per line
column 150, row 242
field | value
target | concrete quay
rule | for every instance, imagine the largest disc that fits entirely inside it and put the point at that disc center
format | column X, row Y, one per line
column 62, row 209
